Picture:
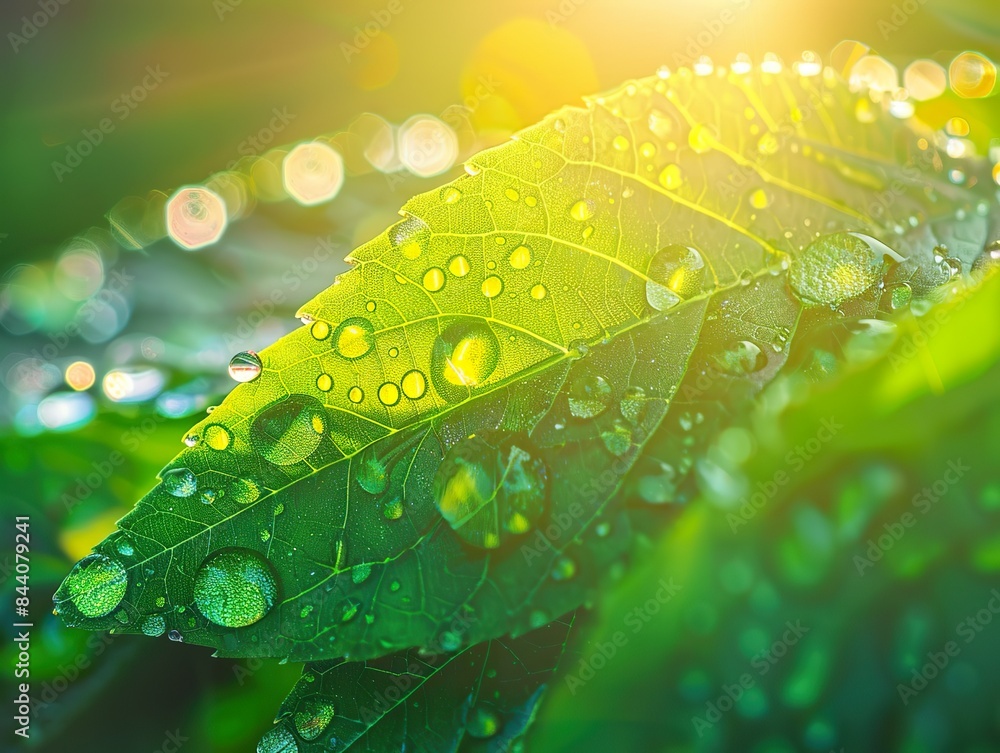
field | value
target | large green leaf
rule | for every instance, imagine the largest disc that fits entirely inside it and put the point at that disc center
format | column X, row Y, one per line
column 446, row 438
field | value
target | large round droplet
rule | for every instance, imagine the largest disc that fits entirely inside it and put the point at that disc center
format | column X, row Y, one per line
column 289, row 431
column 589, row 395
column 235, row 588
column 371, row 473
column 180, row 482
column 312, row 716
column 217, row 437
column 675, row 272
column 491, row 486
column 463, row 357
column 835, row 268
column 482, row 722
column 154, row 626
column 245, row 366
column 95, row 586
column 414, row 384
column 278, row 740
column 354, row 337
column 410, row 237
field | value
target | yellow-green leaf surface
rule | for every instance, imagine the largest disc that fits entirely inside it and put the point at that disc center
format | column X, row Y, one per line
column 447, row 436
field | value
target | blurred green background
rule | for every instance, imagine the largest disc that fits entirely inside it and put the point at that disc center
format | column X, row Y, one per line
column 79, row 463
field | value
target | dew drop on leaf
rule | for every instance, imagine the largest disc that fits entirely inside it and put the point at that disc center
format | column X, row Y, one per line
column 290, row 430
column 617, row 439
column 490, row 486
column 244, row 491
column 589, row 395
column 671, row 177
column 278, row 740
column 414, row 384
column 175, row 635
column 492, row 286
column 154, row 626
column 235, row 588
column 312, row 716
column 459, row 266
column 482, row 722
column 835, row 268
column 217, row 437
column 744, row 357
column 434, row 279
column 463, row 356
column 180, row 482
column 520, row 257
column 674, row 272
column 409, row 237
column 354, row 338
column 245, row 366
column 372, row 474
column 95, row 586
column 582, row 210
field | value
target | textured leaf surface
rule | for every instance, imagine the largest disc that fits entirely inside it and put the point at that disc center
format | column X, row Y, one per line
column 448, row 434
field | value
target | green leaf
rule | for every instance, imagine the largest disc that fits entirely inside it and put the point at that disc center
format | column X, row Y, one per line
column 480, row 698
column 449, row 435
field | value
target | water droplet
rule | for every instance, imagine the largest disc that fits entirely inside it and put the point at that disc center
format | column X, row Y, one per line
column 618, row 439
column 290, row 430
column 191, row 440
column 154, row 626
column 482, row 722
column 520, row 257
column 538, row 292
column 180, row 482
column 349, row 610
column 235, row 588
column 324, row 382
column 632, row 404
column 674, row 272
column 464, row 356
column 209, row 496
column 434, row 279
column 459, row 266
column 589, row 395
column 671, row 177
column 361, row 572
column 277, row 740
column 392, row 509
column 511, row 194
column 356, row 394
column 900, row 296
column 244, row 491
column 175, row 635
column 620, row 143
column 563, row 569
column 490, row 486
column 835, row 268
column 354, row 338
column 410, row 237
column 745, row 357
column 245, row 366
column 450, row 195
column 582, row 210
column 312, row 716
column 414, row 384
column 320, row 330
column 372, row 474
column 95, row 586
column 125, row 548
column 759, row 199
column 217, row 437
column 700, row 138
column 492, row 286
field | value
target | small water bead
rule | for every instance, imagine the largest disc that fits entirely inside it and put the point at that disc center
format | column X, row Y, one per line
column 154, row 626
column 511, row 194
column 434, row 279
column 312, row 717
column 180, row 482
column 349, row 610
column 245, row 366
column 835, row 268
column 414, row 384
column 410, row 237
column 393, row 352
column 745, row 357
column 490, row 486
column 701, row 138
column 290, row 430
column 161, row 602
column 354, row 338
column 632, row 404
column 589, row 395
column 356, row 394
column 320, row 330
column 392, row 509
column 618, row 439
column 530, row 201
column 278, row 740
column 125, row 548
column 674, row 272
column 464, row 355
column 538, row 292
column 95, row 586
column 459, row 266
column 191, row 440
column 235, row 588
column 564, row 568
column 324, row 382
column 671, row 177
column 371, row 306
column 500, row 241
column 620, row 143
column 582, row 210
column 482, row 723
column 388, row 394
column 492, row 286
column 520, row 257
column 450, row 195
column 361, row 572
column 175, row 635
column 759, row 199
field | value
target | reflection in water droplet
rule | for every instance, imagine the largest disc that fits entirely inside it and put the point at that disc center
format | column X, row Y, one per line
column 235, row 588
column 354, row 338
column 492, row 286
column 459, row 266
column 95, row 586
column 434, row 279
column 520, row 257
column 835, row 268
column 490, row 486
column 674, row 272
column 464, row 356
column 414, row 384
column 901, row 296
column 632, row 404
column 290, row 430
column 245, row 366
column 392, row 509
column 217, row 437
column 450, row 195
column 589, row 395
column 180, row 482
column 243, row 491
column 175, row 635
